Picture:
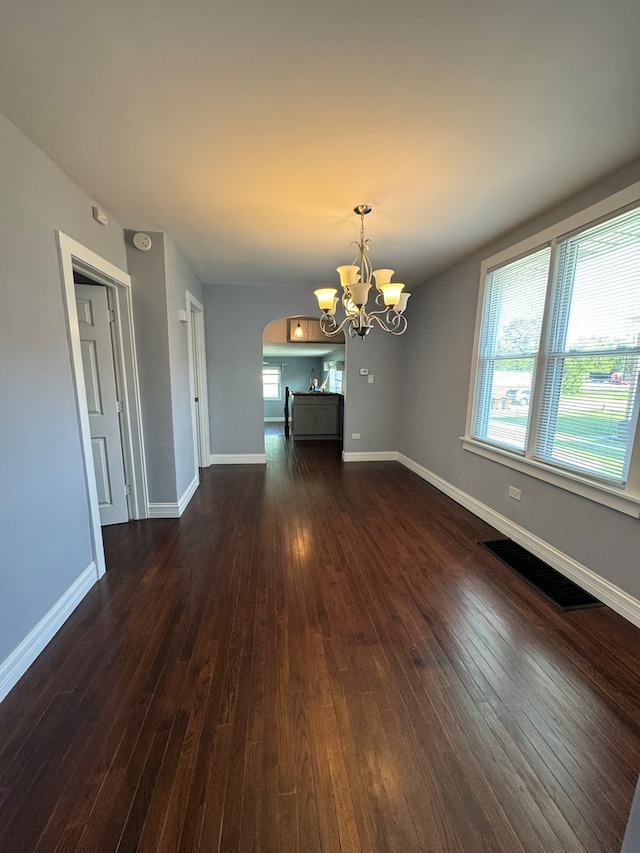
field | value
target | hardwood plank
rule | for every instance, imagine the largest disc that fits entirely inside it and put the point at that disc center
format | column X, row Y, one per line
column 319, row 658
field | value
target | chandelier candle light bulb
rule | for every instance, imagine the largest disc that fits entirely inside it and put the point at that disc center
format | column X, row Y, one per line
column 391, row 293
column 382, row 277
column 402, row 304
column 356, row 280
column 326, row 297
column 359, row 293
column 349, row 275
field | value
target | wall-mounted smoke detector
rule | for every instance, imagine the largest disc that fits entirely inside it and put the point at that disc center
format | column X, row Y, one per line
column 142, row 241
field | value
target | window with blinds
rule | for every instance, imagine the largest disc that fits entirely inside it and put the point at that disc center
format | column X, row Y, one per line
column 271, row 381
column 509, row 343
column 559, row 352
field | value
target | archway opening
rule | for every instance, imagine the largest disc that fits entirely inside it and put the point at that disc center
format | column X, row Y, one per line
column 299, row 359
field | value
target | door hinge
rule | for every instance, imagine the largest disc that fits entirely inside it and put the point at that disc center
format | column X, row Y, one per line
column 196, row 400
column 111, row 315
column 127, row 489
column 119, row 406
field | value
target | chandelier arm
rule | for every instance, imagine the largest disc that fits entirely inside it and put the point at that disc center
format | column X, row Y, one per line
column 396, row 324
column 330, row 327
column 400, row 324
column 386, row 310
column 380, row 323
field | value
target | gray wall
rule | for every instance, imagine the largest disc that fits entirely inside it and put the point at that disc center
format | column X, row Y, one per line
column 437, row 364
column 44, row 516
column 180, row 278
column 632, row 835
column 147, row 270
column 44, row 528
column 373, row 409
column 160, row 279
column 234, row 358
column 335, row 355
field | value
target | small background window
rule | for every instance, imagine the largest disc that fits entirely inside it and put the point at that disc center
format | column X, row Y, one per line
column 272, row 381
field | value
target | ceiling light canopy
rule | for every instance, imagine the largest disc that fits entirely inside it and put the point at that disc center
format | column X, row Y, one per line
column 355, row 279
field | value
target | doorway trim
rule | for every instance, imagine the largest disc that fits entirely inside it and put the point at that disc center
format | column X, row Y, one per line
column 198, row 381
column 74, row 256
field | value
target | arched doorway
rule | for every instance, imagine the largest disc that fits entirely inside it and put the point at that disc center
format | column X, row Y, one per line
column 295, row 355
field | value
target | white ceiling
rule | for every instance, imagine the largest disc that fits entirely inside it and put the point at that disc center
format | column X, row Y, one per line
column 249, row 130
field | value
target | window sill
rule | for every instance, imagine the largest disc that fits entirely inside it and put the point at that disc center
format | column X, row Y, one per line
column 610, row 497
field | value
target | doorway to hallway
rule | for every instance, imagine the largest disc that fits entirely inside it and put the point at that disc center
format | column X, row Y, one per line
column 76, row 260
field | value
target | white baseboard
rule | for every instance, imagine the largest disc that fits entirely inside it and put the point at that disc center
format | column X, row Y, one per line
column 370, row 456
column 21, row 658
column 174, row 510
column 188, row 493
column 238, row 459
column 274, row 420
column 614, row 597
column 164, row 510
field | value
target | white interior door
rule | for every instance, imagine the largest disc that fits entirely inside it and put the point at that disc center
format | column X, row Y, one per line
column 102, row 402
column 198, row 382
column 195, row 386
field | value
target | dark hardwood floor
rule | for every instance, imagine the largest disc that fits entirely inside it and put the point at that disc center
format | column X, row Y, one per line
column 319, row 657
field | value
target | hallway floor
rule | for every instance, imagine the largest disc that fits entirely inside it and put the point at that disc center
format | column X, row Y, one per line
column 319, row 656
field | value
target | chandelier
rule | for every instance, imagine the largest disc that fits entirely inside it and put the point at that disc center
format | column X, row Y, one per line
column 390, row 301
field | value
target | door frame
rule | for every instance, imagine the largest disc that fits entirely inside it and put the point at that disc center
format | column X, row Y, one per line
column 74, row 256
column 198, row 380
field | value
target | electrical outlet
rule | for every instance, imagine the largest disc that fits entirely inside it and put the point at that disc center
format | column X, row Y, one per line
column 355, row 435
column 514, row 493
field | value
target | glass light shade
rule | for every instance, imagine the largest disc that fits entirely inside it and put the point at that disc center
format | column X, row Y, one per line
column 348, row 275
column 350, row 308
column 402, row 304
column 359, row 293
column 382, row 277
column 299, row 331
column 391, row 293
column 332, row 311
column 325, row 297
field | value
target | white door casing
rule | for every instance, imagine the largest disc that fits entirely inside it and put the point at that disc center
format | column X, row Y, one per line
column 75, row 256
column 103, row 406
column 198, row 382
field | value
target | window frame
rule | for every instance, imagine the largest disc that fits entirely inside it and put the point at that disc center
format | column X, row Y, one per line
column 274, row 368
column 624, row 498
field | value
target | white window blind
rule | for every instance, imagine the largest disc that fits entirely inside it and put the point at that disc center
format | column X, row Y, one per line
column 271, row 381
column 588, row 410
column 559, row 352
column 509, row 341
